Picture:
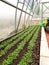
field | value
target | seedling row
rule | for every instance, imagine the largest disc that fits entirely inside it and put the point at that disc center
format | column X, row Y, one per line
column 11, row 49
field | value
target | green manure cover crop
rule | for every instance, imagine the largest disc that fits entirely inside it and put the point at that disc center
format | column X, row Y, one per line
column 2, row 52
column 14, row 55
column 27, row 58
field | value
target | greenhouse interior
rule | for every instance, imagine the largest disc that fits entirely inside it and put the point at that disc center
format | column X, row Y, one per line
column 24, row 32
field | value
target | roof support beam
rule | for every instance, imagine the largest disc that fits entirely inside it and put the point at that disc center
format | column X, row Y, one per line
column 15, row 7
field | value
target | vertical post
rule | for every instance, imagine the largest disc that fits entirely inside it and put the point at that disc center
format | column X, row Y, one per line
column 42, row 13
column 35, row 9
column 16, row 15
column 20, row 16
column 26, row 10
column 28, row 16
column 29, row 12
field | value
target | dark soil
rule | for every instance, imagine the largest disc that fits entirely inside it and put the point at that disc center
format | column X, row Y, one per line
column 11, row 50
column 15, row 39
column 36, row 51
column 12, row 40
column 22, row 52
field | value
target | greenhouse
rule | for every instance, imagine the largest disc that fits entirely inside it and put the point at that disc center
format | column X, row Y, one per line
column 24, row 32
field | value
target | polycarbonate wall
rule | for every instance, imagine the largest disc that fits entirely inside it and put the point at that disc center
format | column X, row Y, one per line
column 7, row 17
column 12, row 19
column 45, row 10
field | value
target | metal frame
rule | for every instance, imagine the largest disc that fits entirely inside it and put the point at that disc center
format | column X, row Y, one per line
column 20, row 16
column 46, row 7
column 15, row 7
column 16, row 15
column 26, row 10
column 27, row 7
column 44, row 12
column 16, row 28
column 16, row 12
column 34, row 11
column 29, row 16
column 43, row 3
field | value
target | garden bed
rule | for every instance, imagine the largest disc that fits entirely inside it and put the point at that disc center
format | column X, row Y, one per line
column 36, row 51
column 13, row 47
column 21, row 49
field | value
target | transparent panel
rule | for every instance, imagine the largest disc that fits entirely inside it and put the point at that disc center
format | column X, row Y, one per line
column 24, row 7
column 14, row 2
column 21, row 1
column 27, row 20
column 7, row 18
column 20, row 5
column 21, row 25
column 17, row 17
column 44, row 0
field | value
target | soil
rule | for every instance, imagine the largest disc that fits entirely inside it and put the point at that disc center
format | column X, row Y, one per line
column 14, row 39
column 36, row 51
column 11, row 50
column 35, row 56
column 22, row 52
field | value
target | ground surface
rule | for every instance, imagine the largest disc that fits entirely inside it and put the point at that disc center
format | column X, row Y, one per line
column 21, row 48
column 36, row 51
